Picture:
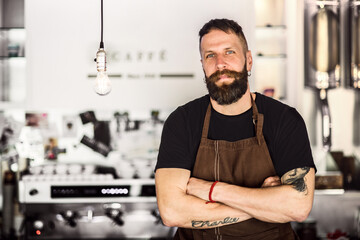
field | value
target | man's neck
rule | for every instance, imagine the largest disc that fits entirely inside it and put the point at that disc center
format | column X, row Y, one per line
column 236, row 108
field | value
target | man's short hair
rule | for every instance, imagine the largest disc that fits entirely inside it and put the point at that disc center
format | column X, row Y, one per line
column 225, row 25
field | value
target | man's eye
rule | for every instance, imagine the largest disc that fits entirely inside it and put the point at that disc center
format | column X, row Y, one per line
column 210, row 55
column 230, row 52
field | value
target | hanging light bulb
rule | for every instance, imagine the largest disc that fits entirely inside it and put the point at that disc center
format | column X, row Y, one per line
column 102, row 83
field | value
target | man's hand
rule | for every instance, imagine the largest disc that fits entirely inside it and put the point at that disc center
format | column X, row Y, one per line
column 271, row 182
column 199, row 188
column 273, row 202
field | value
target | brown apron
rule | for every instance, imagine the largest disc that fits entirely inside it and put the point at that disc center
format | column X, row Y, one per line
column 246, row 163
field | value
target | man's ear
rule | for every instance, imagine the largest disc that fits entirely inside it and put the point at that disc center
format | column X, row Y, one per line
column 249, row 60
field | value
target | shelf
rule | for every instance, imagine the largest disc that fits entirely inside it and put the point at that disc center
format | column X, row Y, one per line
column 329, row 191
column 348, row 194
column 7, row 57
column 271, row 56
column 327, row 3
column 271, row 27
column 11, row 28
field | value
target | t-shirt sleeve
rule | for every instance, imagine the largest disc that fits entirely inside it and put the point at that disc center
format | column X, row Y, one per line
column 174, row 149
column 292, row 146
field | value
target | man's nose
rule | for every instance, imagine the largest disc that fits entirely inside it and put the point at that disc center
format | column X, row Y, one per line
column 220, row 63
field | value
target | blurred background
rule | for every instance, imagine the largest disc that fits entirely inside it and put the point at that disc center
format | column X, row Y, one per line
column 76, row 165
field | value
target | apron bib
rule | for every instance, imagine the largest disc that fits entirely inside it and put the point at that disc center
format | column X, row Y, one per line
column 246, row 163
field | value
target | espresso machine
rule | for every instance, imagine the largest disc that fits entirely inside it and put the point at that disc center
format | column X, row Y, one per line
column 81, row 201
column 111, row 198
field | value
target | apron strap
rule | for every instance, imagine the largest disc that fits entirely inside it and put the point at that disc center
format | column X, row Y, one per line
column 258, row 120
column 205, row 129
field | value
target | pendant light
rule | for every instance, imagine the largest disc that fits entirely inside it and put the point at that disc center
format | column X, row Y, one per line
column 102, row 83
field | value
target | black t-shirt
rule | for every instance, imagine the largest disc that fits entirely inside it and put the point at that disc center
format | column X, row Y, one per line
column 284, row 131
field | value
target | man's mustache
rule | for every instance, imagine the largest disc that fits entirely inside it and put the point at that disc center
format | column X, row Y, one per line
column 229, row 73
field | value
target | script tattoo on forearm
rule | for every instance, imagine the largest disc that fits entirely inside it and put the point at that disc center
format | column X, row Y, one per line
column 295, row 178
column 200, row 224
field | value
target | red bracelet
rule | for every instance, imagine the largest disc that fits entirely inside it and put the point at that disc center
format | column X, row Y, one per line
column 210, row 192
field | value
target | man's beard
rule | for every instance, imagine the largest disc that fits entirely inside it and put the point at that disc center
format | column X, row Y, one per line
column 227, row 93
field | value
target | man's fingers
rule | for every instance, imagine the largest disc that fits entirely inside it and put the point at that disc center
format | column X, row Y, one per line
column 271, row 181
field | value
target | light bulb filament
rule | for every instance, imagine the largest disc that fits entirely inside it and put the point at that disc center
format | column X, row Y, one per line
column 102, row 83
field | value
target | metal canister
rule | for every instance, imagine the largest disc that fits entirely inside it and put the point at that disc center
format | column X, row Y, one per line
column 322, row 56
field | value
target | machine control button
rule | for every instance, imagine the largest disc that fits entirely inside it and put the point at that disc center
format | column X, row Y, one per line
column 33, row 192
column 38, row 225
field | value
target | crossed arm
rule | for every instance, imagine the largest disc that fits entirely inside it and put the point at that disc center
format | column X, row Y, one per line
column 182, row 199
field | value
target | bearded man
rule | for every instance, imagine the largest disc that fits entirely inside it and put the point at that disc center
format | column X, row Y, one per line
column 233, row 164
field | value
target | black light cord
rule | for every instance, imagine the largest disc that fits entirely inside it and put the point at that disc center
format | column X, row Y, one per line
column 101, row 42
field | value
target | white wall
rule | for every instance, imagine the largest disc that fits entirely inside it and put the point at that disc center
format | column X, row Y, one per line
column 63, row 37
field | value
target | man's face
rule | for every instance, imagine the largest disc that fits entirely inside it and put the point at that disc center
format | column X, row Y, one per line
column 225, row 66
column 227, row 93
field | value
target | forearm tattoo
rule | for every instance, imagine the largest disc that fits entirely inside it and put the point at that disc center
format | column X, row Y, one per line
column 295, row 178
column 200, row 224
